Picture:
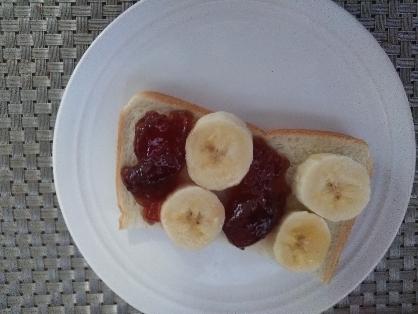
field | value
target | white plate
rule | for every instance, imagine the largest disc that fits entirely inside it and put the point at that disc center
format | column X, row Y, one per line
column 300, row 64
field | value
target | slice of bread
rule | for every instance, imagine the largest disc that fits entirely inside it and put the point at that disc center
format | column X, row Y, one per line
column 296, row 145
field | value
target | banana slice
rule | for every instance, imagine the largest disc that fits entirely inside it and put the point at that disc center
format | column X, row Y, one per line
column 192, row 217
column 302, row 242
column 333, row 186
column 219, row 151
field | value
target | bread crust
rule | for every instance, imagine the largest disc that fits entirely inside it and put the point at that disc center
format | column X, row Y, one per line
column 175, row 102
column 131, row 217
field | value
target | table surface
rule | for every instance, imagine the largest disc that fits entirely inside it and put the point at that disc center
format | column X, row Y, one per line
column 42, row 269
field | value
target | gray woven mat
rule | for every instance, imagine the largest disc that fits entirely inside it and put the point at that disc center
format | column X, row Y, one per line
column 41, row 268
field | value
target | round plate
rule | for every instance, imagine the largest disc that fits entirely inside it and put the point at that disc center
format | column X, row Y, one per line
column 277, row 64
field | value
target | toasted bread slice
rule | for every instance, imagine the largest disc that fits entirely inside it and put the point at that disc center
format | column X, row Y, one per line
column 296, row 145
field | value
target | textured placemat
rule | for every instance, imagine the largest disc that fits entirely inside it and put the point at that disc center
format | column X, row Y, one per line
column 41, row 268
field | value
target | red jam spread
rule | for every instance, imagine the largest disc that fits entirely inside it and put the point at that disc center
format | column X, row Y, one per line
column 160, row 148
column 252, row 208
column 255, row 206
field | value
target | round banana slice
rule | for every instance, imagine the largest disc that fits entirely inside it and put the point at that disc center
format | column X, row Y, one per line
column 192, row 217
column 333, row 186
column 302, row 242
column 219, row 151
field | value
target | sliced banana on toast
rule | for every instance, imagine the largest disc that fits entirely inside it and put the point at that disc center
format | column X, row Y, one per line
column 192, row 217
column 302, row 242
column 219, row 151
column 333, row 186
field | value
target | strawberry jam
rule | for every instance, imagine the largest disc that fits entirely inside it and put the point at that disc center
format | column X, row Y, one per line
column 159, row 146
column 255, row 206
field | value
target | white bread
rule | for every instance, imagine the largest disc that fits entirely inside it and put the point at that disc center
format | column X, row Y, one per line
column 296, row 145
